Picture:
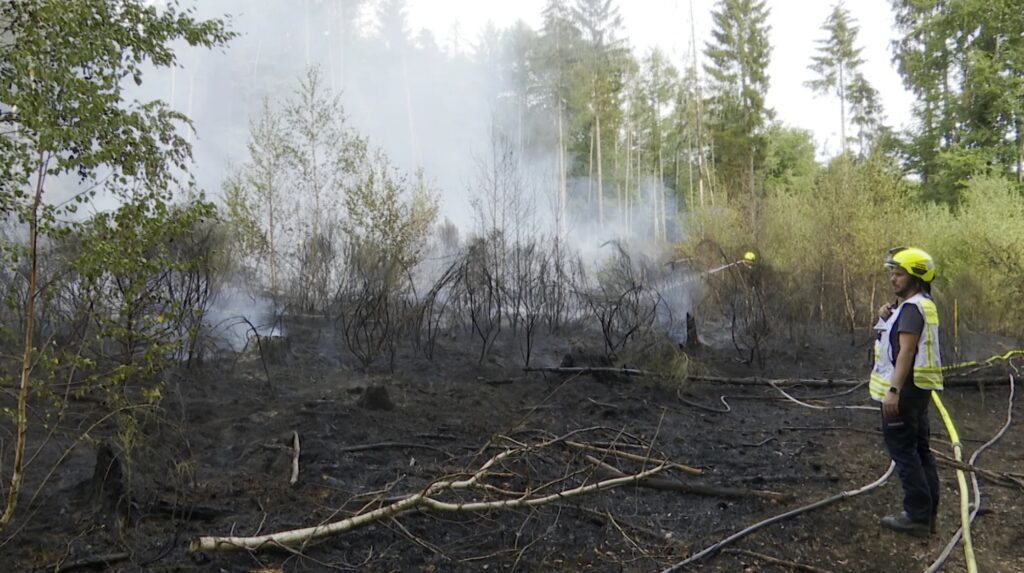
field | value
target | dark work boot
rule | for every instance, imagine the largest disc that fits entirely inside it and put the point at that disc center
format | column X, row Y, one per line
column 902, row 523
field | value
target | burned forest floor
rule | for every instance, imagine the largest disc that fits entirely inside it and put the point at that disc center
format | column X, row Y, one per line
column 731, row 450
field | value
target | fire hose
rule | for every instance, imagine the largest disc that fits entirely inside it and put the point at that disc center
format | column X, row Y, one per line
column 965, row 510
column 964, row 517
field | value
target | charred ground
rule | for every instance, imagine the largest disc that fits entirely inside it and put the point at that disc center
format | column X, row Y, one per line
column 218, row 458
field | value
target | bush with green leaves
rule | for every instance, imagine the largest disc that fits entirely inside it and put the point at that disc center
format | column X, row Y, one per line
column 63, row 67
column 825, row 247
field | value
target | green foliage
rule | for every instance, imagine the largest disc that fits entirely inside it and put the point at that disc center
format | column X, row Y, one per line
column 837, row 67
column 387, row 220
column 979, row 253
column 62, row 67
column 125, row 265
column 965, row 63
column 824, row 246
column 738, row 67
column 789, row 164
column 285, row 202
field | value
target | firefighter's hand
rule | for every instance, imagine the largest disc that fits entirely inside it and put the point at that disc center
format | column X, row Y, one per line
column 885, row 311
column 891, row 405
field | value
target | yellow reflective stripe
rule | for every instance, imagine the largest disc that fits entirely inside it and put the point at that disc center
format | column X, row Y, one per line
column 929, row 344
column 878, row 386
column 931, row 314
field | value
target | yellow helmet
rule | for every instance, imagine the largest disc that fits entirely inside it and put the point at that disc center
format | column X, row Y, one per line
column 749, row 256
column 915, row 261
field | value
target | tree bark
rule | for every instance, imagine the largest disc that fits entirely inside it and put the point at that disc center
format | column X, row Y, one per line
column 18, row 472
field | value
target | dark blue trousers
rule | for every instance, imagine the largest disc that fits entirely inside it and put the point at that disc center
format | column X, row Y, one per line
column 906, row 438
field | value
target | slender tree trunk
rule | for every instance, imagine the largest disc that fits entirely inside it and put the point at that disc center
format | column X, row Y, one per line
column 590, row 171
column 600, row 178
column 629, row 172
column 618, row 184
column 18, row 472
column 701, row 146
column 562, row 214
column 1020, row 152
column 689, row 172
column 270, row 240
column 663, row 217
column 842, row 108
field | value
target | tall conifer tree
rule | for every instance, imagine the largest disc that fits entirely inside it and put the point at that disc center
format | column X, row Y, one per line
column 738, row 57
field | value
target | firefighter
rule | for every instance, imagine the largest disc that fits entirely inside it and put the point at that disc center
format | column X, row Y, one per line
column 907, row 369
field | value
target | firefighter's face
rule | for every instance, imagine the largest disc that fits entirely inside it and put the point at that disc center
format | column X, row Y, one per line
column 902, row 283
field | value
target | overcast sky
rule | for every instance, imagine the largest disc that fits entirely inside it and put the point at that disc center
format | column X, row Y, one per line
column 796, row 25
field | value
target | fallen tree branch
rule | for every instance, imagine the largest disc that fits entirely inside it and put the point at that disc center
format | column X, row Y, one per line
column 1003, row 479
column 581, row 370
column 634, row 457
column 761, row 524
column 697, row 489
column 384, row 445
column 424, row 499
column 776, row 561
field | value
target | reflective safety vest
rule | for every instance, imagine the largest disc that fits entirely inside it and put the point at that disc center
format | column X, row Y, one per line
column 927, row 361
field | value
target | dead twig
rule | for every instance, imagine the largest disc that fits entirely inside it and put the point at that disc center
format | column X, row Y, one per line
column 385, row 445
column 1003, row 479
column 634, row 457
column 583, row 370
column 776, row 561
column 427, row 499
column 705, row 490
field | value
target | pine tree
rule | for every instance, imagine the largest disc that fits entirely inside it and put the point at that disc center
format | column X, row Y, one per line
column 738, row 56
column 552, row 65
column 837, row 66
column 601, row 82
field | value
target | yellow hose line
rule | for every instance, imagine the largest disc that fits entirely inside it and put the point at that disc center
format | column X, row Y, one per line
column 988, row 360
column 965, row 511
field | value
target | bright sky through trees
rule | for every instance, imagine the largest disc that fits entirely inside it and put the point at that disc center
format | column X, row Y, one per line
column 666, row 23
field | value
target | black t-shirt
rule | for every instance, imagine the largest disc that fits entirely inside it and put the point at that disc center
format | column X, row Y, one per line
column 910, row 320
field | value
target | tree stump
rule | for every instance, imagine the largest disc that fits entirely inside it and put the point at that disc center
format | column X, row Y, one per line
column 108, row 498
column 376, row 398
